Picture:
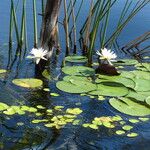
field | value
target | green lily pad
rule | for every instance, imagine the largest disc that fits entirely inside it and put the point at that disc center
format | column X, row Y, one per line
column 132, row 134
column 28, row 83
column 127, row 127
column 74, row 111
column 142, row 74
column 133, row 120
column 75, row 86
column 78, row 59
column 119, row 79
column 120, row 132
column 143, row 66
column 127, row 74
column 129, row 107
column 136, row 96
column 9, row 111
column 3, row 71
column 142, row 85
column 126, row 62
column 78, row 78
column 3, row 106
column 146, row 93
column 110, row 89
column 148, row 100
column 78, row 70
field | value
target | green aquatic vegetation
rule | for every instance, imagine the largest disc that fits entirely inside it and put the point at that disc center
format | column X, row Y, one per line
column 76, row 86
column 78, row 78
column 128, row 106
column 3, row 106
column 101, row 98
column 3, row 71
column 120, row 132
column 126, row 62
column 133, row 134
column 46, row 89
column 40, row 107
column 133, row 120
column 76, row 59
column 58, row 107
column 142, row 85
column 39, row 121
column 148, row 100
column 119, row 79
column 46, row 74
column 127, row 127
column 54, row 94
column 143, row 66
column 74, row 111
column 110, row 89
column 137, row 96
column 28, row 82
column 78, row 70
column 143, row 119
column 141, row 74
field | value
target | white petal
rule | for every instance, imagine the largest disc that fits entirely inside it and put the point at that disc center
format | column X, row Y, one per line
column 37, row 60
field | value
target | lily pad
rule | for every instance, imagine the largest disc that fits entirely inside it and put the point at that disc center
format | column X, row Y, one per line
column 126, row 62
column 76, row 86
column 142, row 74
column 148, row 100
column 132, row 134
column 79, row 78
column 127, row 127
column 143, row 66
column 3, row 71
column 3, row 106
column 125, row 81
column 28, row 83
column 120, row 132
column 78, row 59
column 136, row 96
column 129, row 107
column 78, row 70
column 110, row 89
column 142, row 85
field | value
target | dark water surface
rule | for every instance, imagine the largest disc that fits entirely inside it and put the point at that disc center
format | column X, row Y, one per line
column 38, row 137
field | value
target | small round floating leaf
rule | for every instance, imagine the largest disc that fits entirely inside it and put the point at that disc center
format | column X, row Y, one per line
column 120, row 132
column 85, row 125
column 3, row 106
column 142, row 85
column 144, row 119
column 75, row 86
column 28, row 83
column 25, row 108
column 40, row 107
column 143, row 66
column 32, row 109
column 110, row 89
column 78, row 59
column 127, row 127
column 133, row 120
column 127, row 106
column 74, row 111
column 132, row 134
column 3, row 71
column 78, row 70
column 93, row 126
column 9, row 111
column 54, row 94
column 146, row 93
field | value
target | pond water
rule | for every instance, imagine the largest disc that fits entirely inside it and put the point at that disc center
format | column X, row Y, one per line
column 18, row 132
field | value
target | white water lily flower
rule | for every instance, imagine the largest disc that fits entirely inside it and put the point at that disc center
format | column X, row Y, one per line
column 38, row 54
column 107, row 55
